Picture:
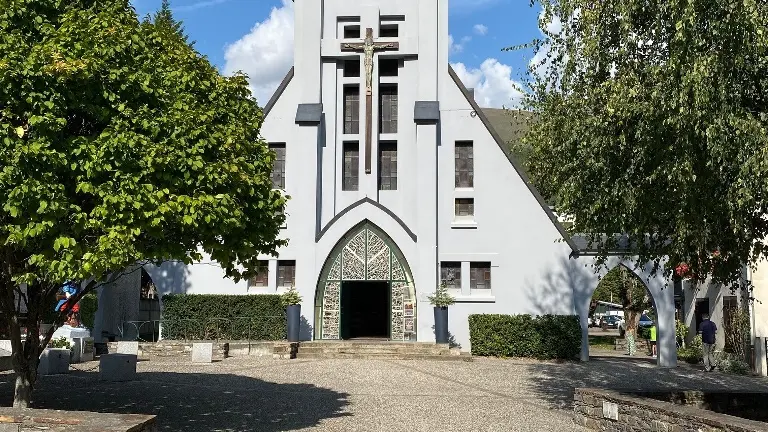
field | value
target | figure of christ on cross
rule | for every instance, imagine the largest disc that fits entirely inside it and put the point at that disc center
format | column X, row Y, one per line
column 368, row 47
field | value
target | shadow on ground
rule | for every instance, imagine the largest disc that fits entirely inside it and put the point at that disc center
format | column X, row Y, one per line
column 555, row 383
column 191, row 401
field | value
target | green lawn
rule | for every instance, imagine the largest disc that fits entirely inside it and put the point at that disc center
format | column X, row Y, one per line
column 602, row 342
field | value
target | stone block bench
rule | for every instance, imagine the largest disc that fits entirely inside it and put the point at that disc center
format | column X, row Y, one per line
column 28, row 420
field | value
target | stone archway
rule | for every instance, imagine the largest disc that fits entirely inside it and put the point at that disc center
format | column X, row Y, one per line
column 365, row 253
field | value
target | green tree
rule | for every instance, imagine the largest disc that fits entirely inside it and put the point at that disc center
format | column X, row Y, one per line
column 121, row 145
column 652, row 121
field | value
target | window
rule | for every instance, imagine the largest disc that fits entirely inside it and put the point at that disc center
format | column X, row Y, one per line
column 388, row 108
column 388, row 67
column 450, row 274
column 278, row 168
column 465, row 165
column 262, row 277
column 352, row 68
column 480, row 275
column 351, row 109
column 387, row 165
column 465, row 207
column 352, row 32
column 388, row 30
column 286, row 273
column 351, row 166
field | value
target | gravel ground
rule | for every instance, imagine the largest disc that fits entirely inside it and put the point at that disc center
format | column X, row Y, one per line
column 254, row 394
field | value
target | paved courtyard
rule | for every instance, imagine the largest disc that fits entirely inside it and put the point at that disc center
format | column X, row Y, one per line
column 254, row 394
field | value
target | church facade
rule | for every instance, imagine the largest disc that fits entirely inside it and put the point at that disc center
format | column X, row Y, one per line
column 398, row 182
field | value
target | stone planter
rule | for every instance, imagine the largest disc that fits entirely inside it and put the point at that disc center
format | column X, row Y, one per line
column 441, row 324
column 293, row 313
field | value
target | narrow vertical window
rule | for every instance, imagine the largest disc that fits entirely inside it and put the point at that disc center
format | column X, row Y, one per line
column 480, row 275
column 261, row 280
column 388, row 108
column 286, row 273
column 278, row 168
column 351, row 109
column 387, row 165
column 352, row 68
column 351, row 169
column 465, row 165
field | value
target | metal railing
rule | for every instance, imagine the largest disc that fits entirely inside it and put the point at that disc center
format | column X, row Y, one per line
column 215, row 328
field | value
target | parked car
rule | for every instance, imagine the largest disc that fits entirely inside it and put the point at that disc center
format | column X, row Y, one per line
column 611, row 322
column 645, row 321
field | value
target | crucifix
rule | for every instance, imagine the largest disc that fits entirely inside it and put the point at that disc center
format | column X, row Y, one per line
column 368, row 47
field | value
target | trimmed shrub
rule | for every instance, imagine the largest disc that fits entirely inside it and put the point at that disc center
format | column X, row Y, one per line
column 227, row 317
column 541, row 337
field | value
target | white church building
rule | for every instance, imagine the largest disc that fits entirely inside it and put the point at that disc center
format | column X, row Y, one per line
column 398, row 181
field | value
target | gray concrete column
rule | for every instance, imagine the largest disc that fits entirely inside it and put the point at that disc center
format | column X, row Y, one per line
column 761, row 362
column 665, row 325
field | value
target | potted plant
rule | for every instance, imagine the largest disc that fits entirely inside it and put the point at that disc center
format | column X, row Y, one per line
column 441, row 300
column 292, row 302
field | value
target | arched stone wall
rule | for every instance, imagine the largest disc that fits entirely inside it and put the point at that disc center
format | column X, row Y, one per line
column 661, row 292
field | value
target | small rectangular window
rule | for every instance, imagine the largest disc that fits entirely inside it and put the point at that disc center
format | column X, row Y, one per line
column 450, row 274
column 261, row 279
column 352, row 68
column 388, row 108
column 352, row 32
column 465, row 207
column 389, row 67
column 465, row 164
column 286, row 273
column 387, row 165
column 480, row 275
column 278, row 167
column 351, row 169
column 389, row 30
column 351, row 109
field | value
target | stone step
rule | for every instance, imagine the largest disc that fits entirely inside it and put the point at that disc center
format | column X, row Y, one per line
column 393, row 350
column 371, row 356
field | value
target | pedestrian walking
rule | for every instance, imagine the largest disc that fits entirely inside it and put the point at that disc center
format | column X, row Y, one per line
column 708, row 330
column 653, row 339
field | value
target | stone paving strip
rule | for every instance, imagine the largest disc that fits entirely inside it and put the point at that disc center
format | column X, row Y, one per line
column 261, row 394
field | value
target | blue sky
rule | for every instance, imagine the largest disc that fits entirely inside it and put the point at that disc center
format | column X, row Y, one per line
column 255, row 36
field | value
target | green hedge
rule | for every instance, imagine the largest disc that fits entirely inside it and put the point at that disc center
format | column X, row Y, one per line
column 541, row 337
column 227, row 317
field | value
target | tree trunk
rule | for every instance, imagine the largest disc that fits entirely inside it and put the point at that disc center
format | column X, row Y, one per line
column 23, row 392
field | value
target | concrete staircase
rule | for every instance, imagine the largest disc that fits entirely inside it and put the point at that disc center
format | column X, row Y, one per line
column 384, row 350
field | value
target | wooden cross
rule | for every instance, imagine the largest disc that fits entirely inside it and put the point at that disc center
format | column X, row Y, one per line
column 368, row 47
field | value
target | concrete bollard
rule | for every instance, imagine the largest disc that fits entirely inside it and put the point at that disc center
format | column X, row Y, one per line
column 202, row 352
column 54, row 361
column 117, row 367
column 126, row 347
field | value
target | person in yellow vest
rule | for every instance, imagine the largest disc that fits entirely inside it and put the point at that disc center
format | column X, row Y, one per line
column 653, row 338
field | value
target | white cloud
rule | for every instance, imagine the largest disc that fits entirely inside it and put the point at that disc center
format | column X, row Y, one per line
column 539, row 63
column 493, row 84
column 480, row 29
column 198, row 5
column 266, row 53
column 455, row 48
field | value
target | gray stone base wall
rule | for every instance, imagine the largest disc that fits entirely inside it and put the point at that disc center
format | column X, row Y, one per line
column 613, row 411
column 221, row 349
column 28, row 420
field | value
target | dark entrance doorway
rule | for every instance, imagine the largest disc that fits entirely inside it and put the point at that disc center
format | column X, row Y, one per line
column 365, row 309
column 702, row 307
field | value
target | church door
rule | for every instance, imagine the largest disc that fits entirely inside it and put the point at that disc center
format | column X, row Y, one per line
column 365, row 290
